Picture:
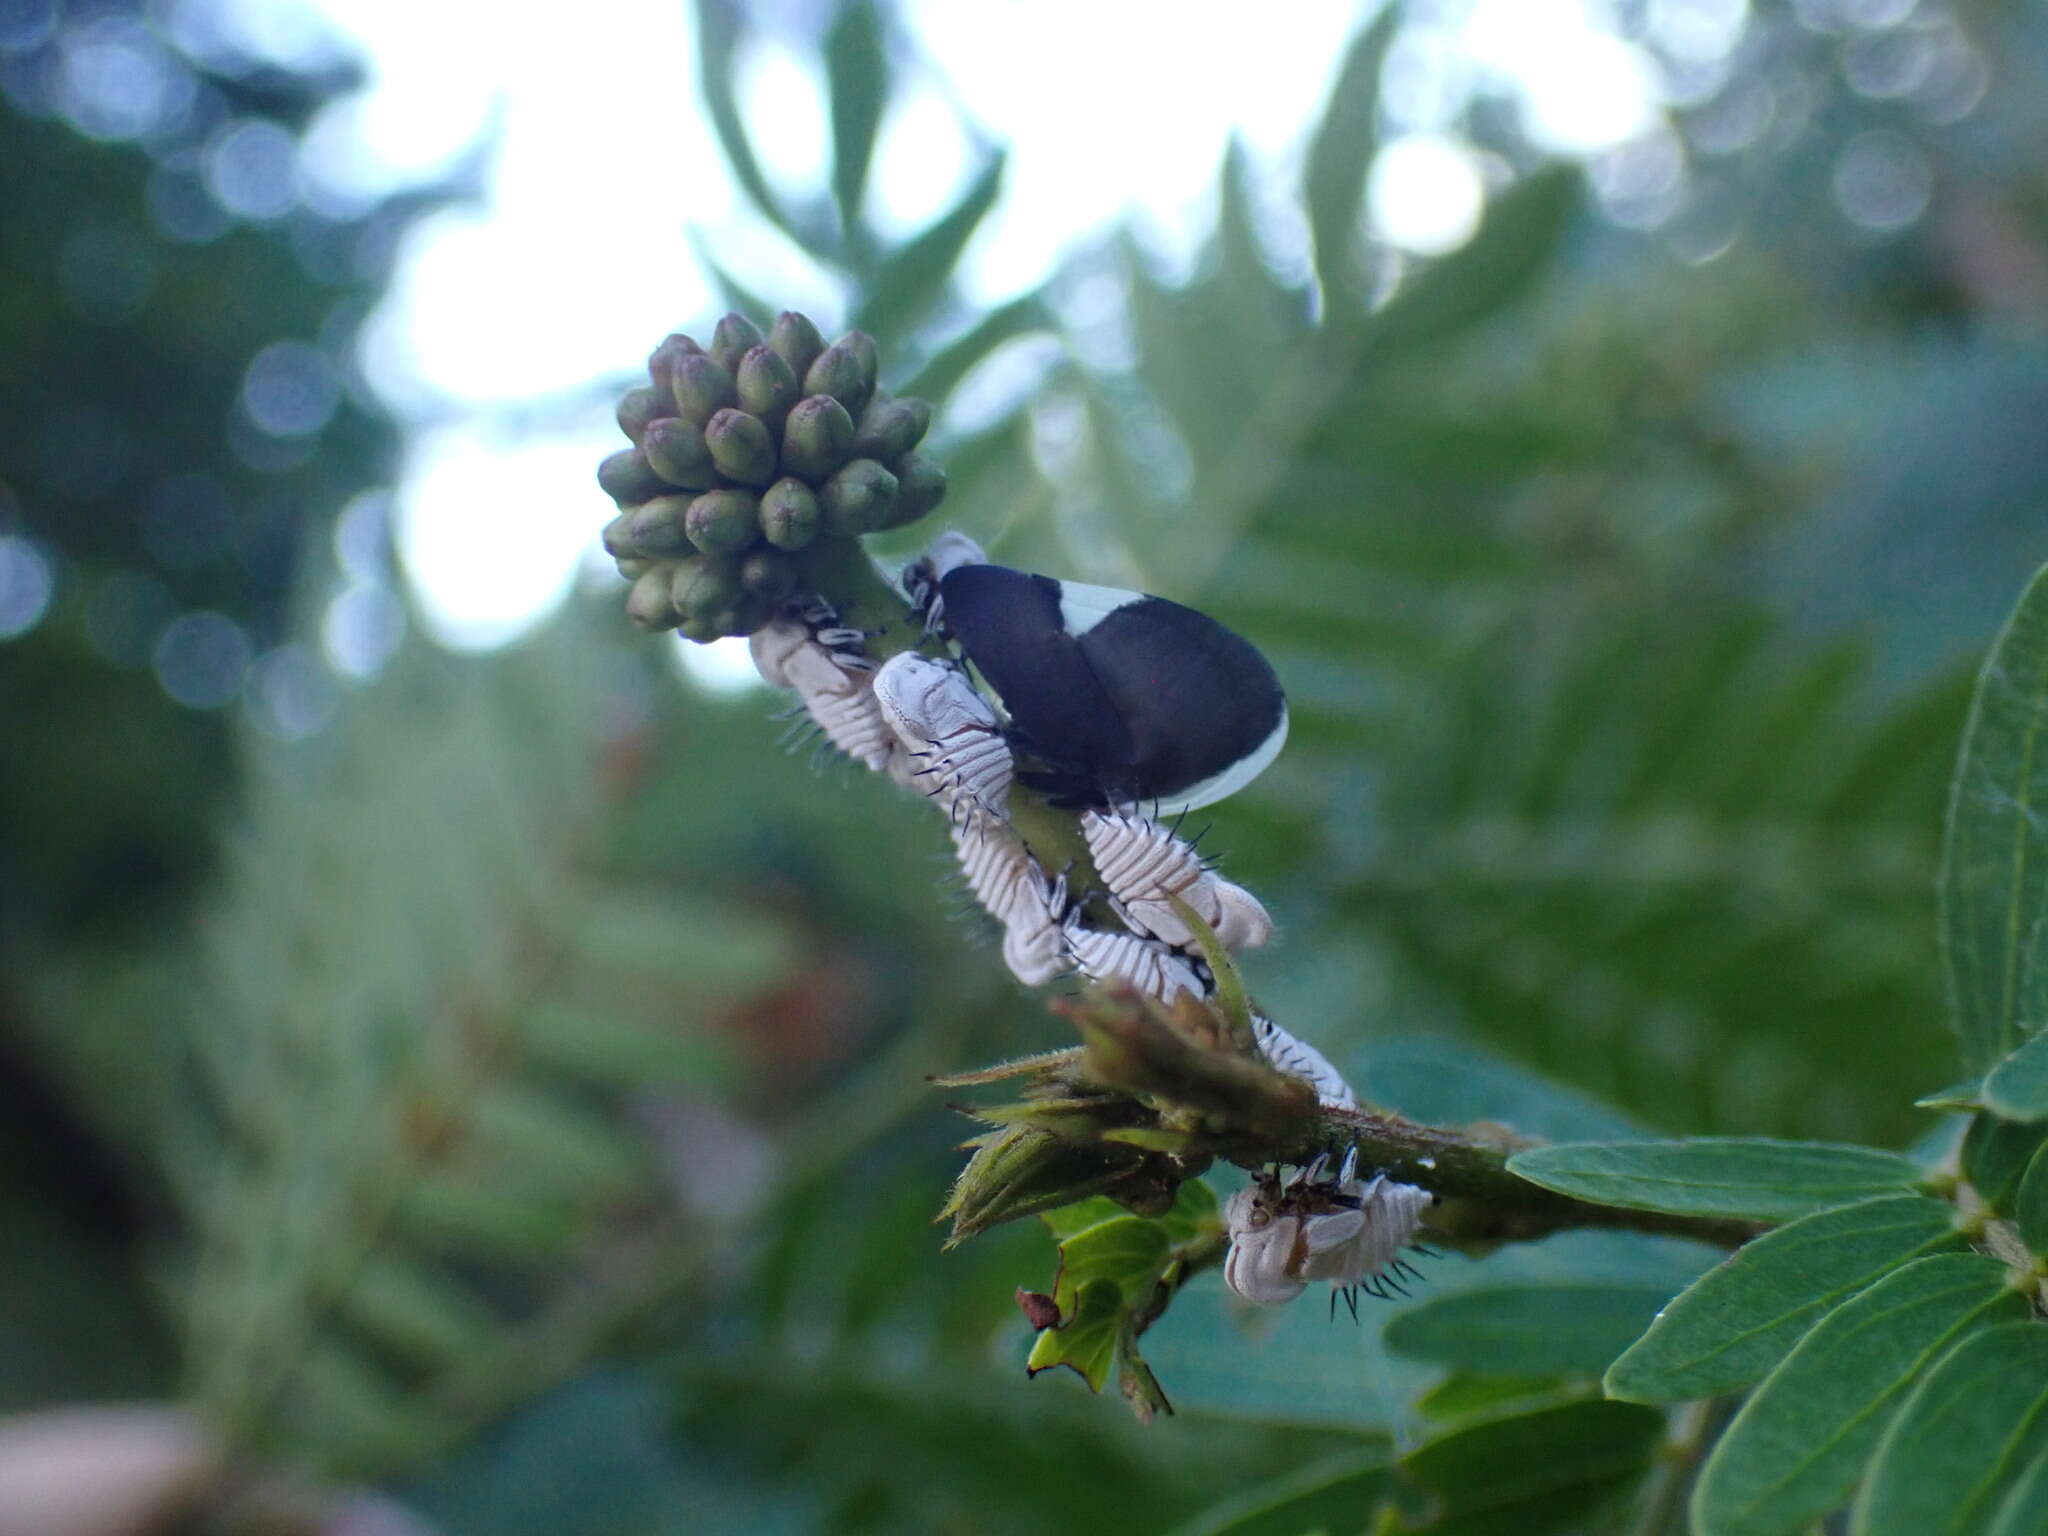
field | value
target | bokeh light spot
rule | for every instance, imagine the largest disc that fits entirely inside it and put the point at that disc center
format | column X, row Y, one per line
column 27, row 583
column 201, row 659
column 290, row 389
column 291, row 693
column 363, row 629
column 249, row 169
column 116, row 81
column 1882, row 180
column 1425, row 193
column 491, row 530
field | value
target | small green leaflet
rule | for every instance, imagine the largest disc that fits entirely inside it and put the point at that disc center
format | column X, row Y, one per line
column 2017, row 1088
column 2030, row 1205
column 2024, row 1509
column 1527, row 1330
column 1752, row 1178
column 1086, row 1340
column 1961, row 1440
column 1494, row 1466
column 1334, row 1493
column 1995, row 1155
column 1799, row 1444
column 1740, row 1318
column 1111, row 1264
column 1994, row 877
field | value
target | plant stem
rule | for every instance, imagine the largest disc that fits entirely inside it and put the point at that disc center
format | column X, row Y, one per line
column 1477, row 1199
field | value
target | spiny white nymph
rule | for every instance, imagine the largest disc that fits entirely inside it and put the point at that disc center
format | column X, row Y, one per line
column 1011, row 887
column 954, row 741
column 1348, row 1231
column 1146, row 964
column 1143, row 864
column 838, row 694
column 1296, row 1057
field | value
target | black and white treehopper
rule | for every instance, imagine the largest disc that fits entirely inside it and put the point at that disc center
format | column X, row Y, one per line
column 1115, row 698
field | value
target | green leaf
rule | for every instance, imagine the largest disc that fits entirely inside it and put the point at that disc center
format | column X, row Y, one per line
column 1753, row 1178
column 2030, row 1205
column 720, row 25
column 1194, row 1213
column 937, row 377
column 1995, row 1158
column 1958, row 1445
column 1087, row 1340
column 1489, row 1396
column 1067, row 1220
column 1334, row 185
column 1967, row 1094
column 420, row 1311
column 1532, row 1330
column 1128, row 1252
column 1498, row 1463
column 1799, row 1444
column 454, row 1213
column 2024, row 1509
column 2017, row 1088
column 857, row 77
column 341, row 1390
column 709, row 954
column 1740, row 1318
column 621, row 1053
column 1994, row 877
column 547, row 1142
column 914, row 277
column 1331, row 1494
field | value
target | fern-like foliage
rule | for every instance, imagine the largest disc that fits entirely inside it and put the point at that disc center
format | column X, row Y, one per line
column 408, row 1187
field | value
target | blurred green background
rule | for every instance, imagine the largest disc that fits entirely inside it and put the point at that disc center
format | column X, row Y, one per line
column 498, row 1078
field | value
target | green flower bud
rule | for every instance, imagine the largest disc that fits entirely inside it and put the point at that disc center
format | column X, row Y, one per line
column 796, row 341
column 790, row 514
column 817, row 437
column 723, row 522
column 633, row 567
column 618, row 537
column 768, row 574
column 858, row 499
column 658, row 526
column 661, row 362
column 767, row 387
column 731, row 339
column 920, row 486
column 702, row 389
column 703, row 631
column 701, row 588
column 838, row 373
column 637, row 407
column 628, row 479
column 676, row 452
column 862, row 346
column 740, row 447
column 649, row 604
column 891, row 428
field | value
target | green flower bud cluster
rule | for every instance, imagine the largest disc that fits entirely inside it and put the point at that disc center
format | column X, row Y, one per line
column 745, row 453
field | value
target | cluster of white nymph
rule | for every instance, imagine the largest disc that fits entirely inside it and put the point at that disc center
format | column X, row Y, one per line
column 1346, row 1230
column 924, row 720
